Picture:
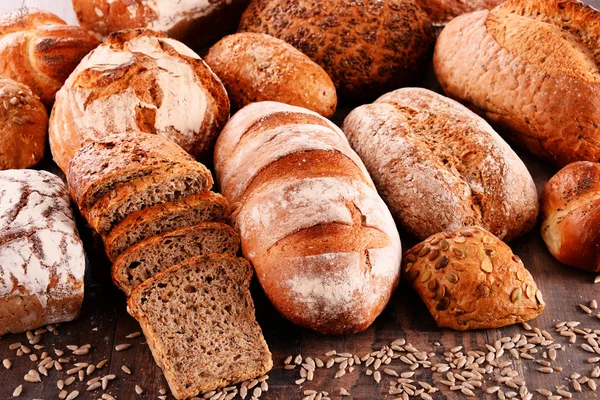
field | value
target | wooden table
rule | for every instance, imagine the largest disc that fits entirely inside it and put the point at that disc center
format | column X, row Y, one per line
column 105, row 323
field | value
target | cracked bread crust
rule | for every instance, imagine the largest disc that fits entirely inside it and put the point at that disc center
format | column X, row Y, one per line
column 439, row 166
column 469, row 279
column 442, row 11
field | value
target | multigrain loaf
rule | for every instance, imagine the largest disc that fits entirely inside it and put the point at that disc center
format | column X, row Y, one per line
column 139, row 80
column 157, row 253
column 469, row 279
column 368, row 47
column 198, row 319
column 531, row 67
column 258, row 67
column 439, row 166
column 150, row 221
column 442, row 11
column 41, row 256
column 324, row 245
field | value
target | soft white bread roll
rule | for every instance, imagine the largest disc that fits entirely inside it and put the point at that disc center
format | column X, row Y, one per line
column 324, row 245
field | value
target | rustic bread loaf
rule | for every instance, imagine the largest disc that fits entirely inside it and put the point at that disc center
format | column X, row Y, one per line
column 157, row 253
column 439, row 166
column 41, row 256
column 198, row 319
column 139, row 80
column 367, row 47
column 23, row 126
column 40, row 50
column 323, row 243
column 194, row 22
column 150, row 221
column 570, row 215
column 258, row 67
column 442, row 11
column 469, row 279
column 531, row 67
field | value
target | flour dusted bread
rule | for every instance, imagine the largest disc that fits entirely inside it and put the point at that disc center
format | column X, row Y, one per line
column 439, row 166
column 323, row 243
column 41, row 256
column 198, row 319
column 139, row 80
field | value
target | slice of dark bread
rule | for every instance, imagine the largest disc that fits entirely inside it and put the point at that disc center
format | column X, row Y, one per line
column 198, row 319
column 150, row 221
column 157, row 253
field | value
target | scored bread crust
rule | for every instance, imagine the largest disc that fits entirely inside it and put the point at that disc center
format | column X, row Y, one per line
column 442, row 11
column 531, row 67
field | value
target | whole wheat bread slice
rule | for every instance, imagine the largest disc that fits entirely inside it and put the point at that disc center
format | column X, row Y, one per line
column 157, row 253
column 198, row 319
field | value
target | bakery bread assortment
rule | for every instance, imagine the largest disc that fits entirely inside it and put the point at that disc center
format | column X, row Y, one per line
column 139, row 80
column 530, row 67
column 367, row 47
column 438, row 166
column 570, row 206
column 40, row 50
column 257, row 67
column 469, row 279
column 41, row 256
column 324, row 245
column 442, row 11
column 24, row 126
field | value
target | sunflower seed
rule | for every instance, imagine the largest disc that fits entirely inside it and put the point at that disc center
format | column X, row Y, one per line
column 126, row 369
column 122, row 347
column 133, row 335
column 72, row 395
column 377, row 376
column 18, row 390
column 138, row 389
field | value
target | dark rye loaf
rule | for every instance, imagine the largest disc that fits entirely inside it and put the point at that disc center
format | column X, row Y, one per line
column 198, row 319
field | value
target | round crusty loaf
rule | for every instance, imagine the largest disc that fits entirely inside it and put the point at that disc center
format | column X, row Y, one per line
column 40, row 50
column 471, row 280
column 139, row 80
column 194, row 22
column 531, row 67
column 442, row 11
column 23, row 126
column 368, row 47
column 258, row 67
column 571, row 214
column 439, row 166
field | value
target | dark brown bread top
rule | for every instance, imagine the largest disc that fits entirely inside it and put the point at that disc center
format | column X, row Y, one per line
column 442, row 11
column 368, row 47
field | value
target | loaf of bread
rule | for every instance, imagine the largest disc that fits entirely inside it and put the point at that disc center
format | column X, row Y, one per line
column 570, row 206
column 194, row 22
column 439, row 166
column 40, row 50
column 442, row 11
column 258, row 67
column 531, row 67
column 41, row 256
column 139, row 80
column 198, row 319
column 367, row 47
column 324, row 245
column 469, row 279
column 23, row 126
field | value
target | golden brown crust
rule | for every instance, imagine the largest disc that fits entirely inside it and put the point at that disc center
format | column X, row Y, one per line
column 442, row 11
column 368, row 47
column 469, row 279
column 258, row 67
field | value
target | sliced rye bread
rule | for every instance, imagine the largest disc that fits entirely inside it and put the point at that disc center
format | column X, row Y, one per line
column 198, row 319
column 157, row 253
column 150, row 221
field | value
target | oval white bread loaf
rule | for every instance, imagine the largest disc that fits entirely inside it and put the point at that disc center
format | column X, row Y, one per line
column 324, row 245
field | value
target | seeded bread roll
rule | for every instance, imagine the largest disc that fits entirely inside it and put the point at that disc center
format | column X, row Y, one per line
column 442, row 11
column 469, row 279
column 439, row 166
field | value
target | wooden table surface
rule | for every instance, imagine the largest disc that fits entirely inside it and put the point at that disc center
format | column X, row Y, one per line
column 104, row 323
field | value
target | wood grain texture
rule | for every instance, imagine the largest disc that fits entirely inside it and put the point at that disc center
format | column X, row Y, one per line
column 104, row 322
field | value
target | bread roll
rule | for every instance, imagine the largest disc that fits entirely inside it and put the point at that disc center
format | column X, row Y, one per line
column 40, row 50
column 442, row 11
column 23, row 126
column 439, row 166
column 571, row 213
column 367, row 47
column 471, row 280
column 258, row 67
column 139, row 80
column 323, row 243
column 531, row 67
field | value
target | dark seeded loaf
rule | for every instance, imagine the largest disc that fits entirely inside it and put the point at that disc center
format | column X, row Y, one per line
column 198, row 319
column 155, row 254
